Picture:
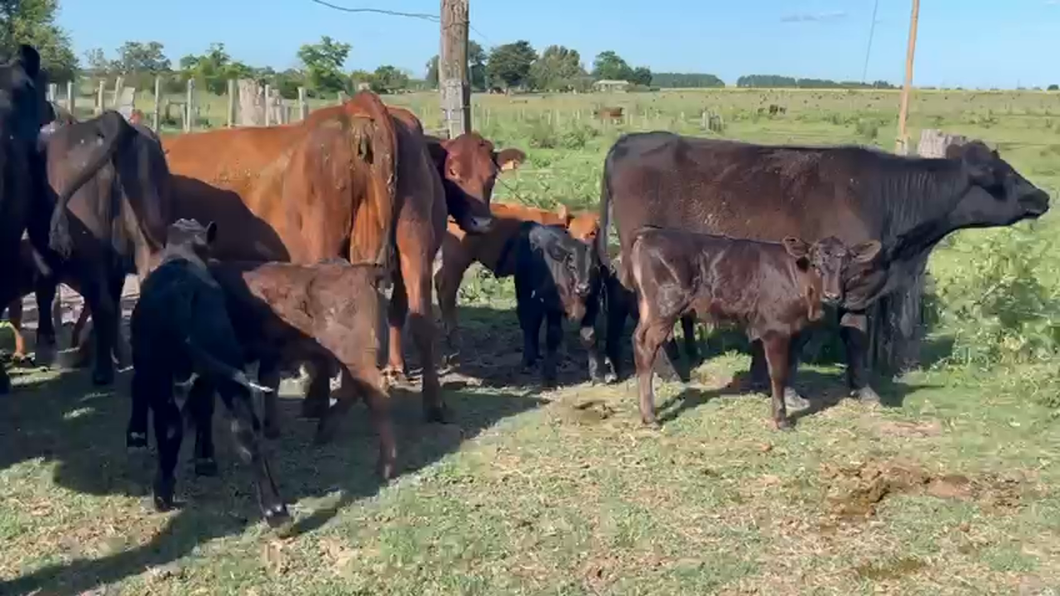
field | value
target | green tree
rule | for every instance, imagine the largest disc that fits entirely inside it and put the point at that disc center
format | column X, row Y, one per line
column 510, row 64
column 33, row 22
column 96, row 62
column 641, row 76
column 558, row 69
column 685, row 80
column 610, row 66
column 213, row 69
column 1054, row 87
column 322, row 63
column 476, row 60
column 388, row 79
column 135, row 56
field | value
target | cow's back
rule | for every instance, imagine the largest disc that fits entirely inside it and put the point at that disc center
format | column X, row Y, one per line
column 733, row 188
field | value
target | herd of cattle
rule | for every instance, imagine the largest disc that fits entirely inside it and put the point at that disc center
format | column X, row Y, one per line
column 291, row 245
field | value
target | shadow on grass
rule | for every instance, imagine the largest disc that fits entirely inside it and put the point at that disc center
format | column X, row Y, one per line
column 823, row 391
column 83, row 432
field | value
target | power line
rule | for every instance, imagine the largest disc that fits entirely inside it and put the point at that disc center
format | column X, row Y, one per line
column 393, row 13
column 868, row 49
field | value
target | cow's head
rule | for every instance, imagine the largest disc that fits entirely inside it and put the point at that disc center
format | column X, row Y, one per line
column 469, row 167
column 188, row 239
column 23, row 106
column 570, row 265
column 998, row 194
column 821, row 266
column 584, row 226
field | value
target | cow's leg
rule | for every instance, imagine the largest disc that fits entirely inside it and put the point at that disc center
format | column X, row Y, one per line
column 854, row 332
column 269, row 376
column 530, row 316
column 104, row 314
column 417, row 276
column 76, row 339
column 777, row 348
column 141, row 397
column 244, row 425
column 587, row 332
column 671, row 366
column 200, row 402
column 647, row 338
column 688, row 327
column 760, row 379
column 14, row 316
column 617, row 311
column 553, row 337
column 370, row 386
column 318, row 393
column 398, row 311
column 447, row 283
column 150, row 386
column 5, row 381
column 116, row 287
column 45, row 291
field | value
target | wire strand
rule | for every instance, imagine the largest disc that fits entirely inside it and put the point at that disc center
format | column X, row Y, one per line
column 393, row 13
column 868, row 48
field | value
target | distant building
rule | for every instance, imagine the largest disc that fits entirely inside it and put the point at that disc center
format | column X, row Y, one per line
column 611, row 86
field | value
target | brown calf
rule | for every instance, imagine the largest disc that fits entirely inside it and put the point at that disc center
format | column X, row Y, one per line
column 330, row 311
column 494, row 250
column 772, row 290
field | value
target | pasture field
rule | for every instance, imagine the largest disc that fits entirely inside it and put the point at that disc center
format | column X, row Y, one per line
column 951, row 487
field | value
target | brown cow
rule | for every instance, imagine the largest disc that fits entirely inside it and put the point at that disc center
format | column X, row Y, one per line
column 460, row 250
column 773, row 290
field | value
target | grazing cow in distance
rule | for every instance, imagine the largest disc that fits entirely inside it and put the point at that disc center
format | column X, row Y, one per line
column 772, row 290
column 857, row 194
column 494, row 250
column 120, row 206
column 554, row 278
column 284, row 314
column 180, row 325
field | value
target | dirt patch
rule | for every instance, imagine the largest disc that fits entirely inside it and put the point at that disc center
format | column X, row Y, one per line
column 856, row 490
column 890, row 569
column 894, row 428
column 590, row 411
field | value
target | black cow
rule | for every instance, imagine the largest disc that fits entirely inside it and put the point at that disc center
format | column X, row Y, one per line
column 857, row 194
column 113, row 178
column 180, row 325
column 555, row 276
column 23, row 111
column 772, row 290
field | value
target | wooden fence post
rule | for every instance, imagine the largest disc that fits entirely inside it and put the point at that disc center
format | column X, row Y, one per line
column 231, row 103
column 341, row 97
column 189, row 107
column 155, row 120
column 118, row 84
column 53, row 92
column 268, row 105
column 100, row 101
column 303, row 109
column 70, row 96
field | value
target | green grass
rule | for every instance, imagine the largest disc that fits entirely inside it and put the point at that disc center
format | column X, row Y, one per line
column 951, row 489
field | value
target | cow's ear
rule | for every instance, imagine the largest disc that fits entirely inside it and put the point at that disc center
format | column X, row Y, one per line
column 438, row 152
column 866, row 251
column 977, row 158
column 211, row 232
column 508, row 159
column 796, row 247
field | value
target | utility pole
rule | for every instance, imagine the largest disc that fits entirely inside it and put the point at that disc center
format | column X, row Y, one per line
column 452, row 68
column 903, row 113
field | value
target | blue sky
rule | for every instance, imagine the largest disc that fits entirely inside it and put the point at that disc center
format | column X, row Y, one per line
column 971, row 43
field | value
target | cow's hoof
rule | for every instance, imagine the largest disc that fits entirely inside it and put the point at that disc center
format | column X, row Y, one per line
column 135, row 441
column 795, row 401
column 385, row 468
column 205, row 466
column 277, row 516
column 395, row 375
column 866, row 395
column 164, row 494
column 103, row 377
column 439, row 414
column 783, row 425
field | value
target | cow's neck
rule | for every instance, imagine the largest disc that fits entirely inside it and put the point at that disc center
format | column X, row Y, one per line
column 916, row 198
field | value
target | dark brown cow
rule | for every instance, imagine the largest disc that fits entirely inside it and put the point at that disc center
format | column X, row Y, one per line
column 772, row 290
column 493, row 250
column 285, row 313
column 856, row 194
column 23, row 111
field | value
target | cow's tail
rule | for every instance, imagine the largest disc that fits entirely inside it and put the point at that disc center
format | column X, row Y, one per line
column 225, row 371
column 375, row 143
column 113, row 132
